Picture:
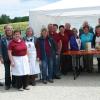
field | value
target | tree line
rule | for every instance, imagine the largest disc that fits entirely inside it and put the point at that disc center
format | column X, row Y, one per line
column 4, row 19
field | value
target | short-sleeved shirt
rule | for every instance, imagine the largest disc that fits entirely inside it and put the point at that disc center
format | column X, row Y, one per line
column 18, row 48
column 65, row 41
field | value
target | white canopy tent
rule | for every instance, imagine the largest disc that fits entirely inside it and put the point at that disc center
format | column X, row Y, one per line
column 71, row 11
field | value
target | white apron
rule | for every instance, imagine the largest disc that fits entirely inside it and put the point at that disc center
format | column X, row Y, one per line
column 33, row 63
column 21, row 66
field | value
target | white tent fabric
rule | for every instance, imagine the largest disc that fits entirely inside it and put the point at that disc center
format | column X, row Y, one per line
column 71, row 11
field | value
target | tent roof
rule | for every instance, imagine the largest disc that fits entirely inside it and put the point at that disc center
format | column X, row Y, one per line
column 73, row 11
column 64, row 4
column 70, row 8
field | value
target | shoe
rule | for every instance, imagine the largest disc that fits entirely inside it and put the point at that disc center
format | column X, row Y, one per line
column 14, row 86
column 44, row 81
column 51, row 81
column 1, row 84
column 98, row 71
column 64, row 73
column 57, row 77
column 89, row 71
column 33, row 83
column 7, row 87
column 27, row 88
column 20, row 89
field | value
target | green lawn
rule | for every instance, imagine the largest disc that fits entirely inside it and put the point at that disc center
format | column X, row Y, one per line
column 20, row 25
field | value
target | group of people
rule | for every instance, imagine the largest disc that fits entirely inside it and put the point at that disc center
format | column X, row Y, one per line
column 20, row 54
column 26, row 57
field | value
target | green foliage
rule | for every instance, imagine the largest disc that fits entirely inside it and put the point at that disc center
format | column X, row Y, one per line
column 4, row 19
column 20, row 19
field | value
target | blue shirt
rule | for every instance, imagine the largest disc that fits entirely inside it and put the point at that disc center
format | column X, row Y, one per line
column 86, row 37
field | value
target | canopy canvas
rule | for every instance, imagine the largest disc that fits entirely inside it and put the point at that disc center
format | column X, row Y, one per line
column 63, row 11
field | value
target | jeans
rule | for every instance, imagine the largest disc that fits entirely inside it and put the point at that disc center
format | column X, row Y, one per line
column 47, row 68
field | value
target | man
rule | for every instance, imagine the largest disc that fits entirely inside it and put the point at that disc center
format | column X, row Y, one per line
column 68, row 30
column 52, row 29
column 4, row 54
column 68, row 33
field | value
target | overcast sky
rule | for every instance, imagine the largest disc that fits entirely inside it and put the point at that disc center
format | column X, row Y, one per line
column 15, row 8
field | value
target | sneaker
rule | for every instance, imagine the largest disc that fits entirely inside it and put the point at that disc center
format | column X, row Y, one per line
column 33, row 83
column 20, row 89
column 27, row 88
column 57, row 77
column 14, row 86
column 44, row 81
column 51, row 81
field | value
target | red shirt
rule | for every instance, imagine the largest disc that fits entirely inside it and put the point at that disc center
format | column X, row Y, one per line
column 18, row 48
column 56, row 39
column 69, row 33
column 64, row 40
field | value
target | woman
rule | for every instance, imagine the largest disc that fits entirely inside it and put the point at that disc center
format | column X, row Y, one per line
column 96, row 43
column 87, row 37
column 30, row 40
column 75, row 42
column 17, row 51
column 45, row 49
column 66, row 63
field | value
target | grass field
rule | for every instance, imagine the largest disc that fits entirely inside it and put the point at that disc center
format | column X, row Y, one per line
column 20, row 25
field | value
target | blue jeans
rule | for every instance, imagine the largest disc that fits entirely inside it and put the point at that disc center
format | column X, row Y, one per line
column 47, row 68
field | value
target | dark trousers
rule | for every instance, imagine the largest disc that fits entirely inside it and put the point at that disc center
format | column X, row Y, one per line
column 7, row 73
column 22, row 81
column 88, row 62
column 66, row 64
column 98, row 59
column 56, row 65
column 31, row 78
column 13, row 81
